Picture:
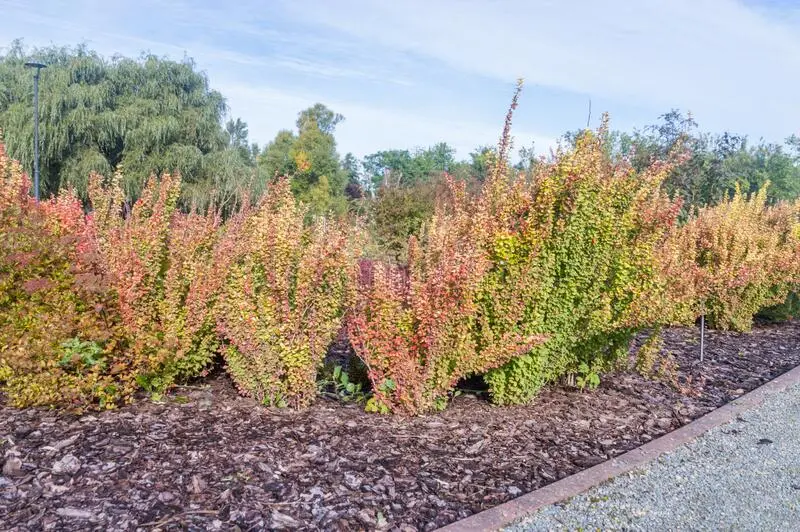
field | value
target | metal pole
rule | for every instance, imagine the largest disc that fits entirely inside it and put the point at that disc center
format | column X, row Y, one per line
column 38, row 67
column 36, row 135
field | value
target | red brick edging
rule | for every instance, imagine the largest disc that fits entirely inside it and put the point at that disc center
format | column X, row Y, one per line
column 519, row 508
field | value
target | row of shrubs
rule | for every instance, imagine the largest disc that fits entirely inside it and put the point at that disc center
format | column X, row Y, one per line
column 524, row 283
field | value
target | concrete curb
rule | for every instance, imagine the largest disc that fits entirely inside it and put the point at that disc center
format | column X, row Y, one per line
column 521, row 507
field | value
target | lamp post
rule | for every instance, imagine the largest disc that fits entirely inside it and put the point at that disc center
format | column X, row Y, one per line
column 38, row 67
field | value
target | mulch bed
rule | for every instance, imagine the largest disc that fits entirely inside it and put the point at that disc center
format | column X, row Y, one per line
column 206, row 459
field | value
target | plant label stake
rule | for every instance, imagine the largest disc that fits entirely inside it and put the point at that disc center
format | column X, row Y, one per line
column 702, row 336
column 703, row 332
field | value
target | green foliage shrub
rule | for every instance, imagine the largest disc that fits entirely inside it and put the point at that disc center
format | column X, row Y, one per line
column 578, row 246
column 398, row 213
column 788, row 310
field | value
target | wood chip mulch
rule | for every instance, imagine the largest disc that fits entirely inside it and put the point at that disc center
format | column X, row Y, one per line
column 206, row 459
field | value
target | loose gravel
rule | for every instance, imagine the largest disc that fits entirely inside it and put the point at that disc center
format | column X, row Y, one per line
column 744, row 475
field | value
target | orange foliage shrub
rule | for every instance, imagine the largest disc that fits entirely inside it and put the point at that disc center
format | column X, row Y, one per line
column 733, row 259
column 419, row 328
column 60, row 340
column 158, row 261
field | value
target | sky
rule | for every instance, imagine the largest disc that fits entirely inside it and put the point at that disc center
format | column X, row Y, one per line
column 411, row 73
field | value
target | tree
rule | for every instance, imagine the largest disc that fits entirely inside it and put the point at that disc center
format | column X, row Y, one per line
column 402, row 168
column 396, row 165
column 276, row 159
column 354, row 190
column 310, row 158
column 145, row 115
column 793, row 143
column 237, row 140
column 325, row 119
column 752, row 167
column 438, row 158
column 715, row 164
column 237, row 133
column 480, row 160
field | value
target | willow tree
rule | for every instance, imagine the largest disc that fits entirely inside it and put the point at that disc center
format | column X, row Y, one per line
column 145, row 115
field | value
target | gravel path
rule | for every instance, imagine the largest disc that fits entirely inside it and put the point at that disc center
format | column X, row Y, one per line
column 741, row 476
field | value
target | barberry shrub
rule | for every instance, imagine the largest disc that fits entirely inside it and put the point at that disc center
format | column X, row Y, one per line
column 575, row 248
column 737, row 257
column 419, row 327
column 788, row 310
column 284, row 288
column 60, row 339
column 159, row 262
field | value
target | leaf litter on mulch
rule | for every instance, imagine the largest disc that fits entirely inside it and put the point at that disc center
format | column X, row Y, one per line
column 206, row 459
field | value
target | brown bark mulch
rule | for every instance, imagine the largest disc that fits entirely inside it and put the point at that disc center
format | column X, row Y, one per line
column 206, row 459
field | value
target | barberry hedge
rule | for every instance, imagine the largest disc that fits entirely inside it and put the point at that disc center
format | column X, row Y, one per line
column 532, row 280
column 740, row 256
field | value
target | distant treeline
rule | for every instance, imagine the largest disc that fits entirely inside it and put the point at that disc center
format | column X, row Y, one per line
column 149, row 115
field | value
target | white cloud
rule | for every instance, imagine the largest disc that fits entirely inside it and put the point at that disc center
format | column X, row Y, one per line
column 331, row 71
column 718, row 57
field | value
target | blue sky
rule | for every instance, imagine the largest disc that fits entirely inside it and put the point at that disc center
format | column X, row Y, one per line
column 414, row 72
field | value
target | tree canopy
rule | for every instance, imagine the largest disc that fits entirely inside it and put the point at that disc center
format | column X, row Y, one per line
column 404, row 168
column 310, row 158
column 716, row 163
column 145, row 115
